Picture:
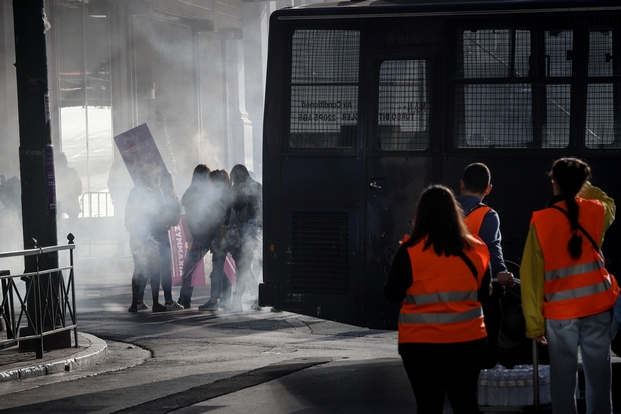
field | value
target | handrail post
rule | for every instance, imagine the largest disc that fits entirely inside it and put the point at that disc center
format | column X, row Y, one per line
column 38, row 310
column 7, row 311
column 71, row 237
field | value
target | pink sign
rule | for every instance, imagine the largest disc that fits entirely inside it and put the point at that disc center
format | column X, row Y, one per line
column 140, row 153
column 180, row 240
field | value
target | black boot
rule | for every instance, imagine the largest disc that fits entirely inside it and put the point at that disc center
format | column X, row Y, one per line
column 135, row 292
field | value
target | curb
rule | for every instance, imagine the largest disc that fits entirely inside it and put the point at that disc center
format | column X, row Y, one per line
column 96, row 352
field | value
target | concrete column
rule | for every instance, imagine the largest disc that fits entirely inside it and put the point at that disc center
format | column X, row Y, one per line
column 255, row 33
column 214, row 145
column 35, row 153
column 239, row 125
column 9, row 133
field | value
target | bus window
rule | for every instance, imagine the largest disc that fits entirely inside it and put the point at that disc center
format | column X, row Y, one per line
column 495, row 90
column 495, row 53
column 600, row 114
column 559, row 53
column 403, row 118
column 324, row 90
column 498, row 115
column 556, row 129
column 490, row 111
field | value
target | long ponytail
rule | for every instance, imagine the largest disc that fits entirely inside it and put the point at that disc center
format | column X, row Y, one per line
column 570, row 174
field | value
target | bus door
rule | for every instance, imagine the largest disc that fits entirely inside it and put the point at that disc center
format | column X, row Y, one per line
column 320, row 208
column 398, row 167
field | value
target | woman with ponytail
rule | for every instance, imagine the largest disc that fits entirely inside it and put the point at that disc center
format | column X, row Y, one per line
column 440, row 274
column 567, row 294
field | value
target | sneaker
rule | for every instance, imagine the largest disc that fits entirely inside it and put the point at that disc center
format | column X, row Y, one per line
column 158, row 307
column 173, row 306
column 132, row 309
column 208, row 306
column 184, row 304
column 140, row 306
column 255, row 306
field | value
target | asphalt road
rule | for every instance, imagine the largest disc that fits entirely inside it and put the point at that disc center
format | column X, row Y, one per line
column 194, row 362
column 198, row 362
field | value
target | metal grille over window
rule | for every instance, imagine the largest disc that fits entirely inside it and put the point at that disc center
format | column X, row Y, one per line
column 403, row 118
column 324, row 90
column 556, row 129
column 325, row 236
column 495, row 115
column 559, row 53
column 600, row 119
column 600, row 53
column 600, row 115
column 491, row 112
column 496, row 53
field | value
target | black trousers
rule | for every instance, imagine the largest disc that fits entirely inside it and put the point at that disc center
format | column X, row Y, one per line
column 438, row 369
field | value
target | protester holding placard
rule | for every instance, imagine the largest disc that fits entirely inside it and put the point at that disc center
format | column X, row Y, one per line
column 141, row 215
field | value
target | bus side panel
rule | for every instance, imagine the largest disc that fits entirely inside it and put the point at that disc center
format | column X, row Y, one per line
column 321, row 240
column 273, row 131
column 395, row 185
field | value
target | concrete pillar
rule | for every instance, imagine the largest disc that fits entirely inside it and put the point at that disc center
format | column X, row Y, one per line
column 35, row 152
column 9, row 133
column 239, row 125
column 214, row 145
column 255, row 33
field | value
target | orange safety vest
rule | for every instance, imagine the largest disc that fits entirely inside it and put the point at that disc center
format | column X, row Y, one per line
column 574, row 288
column 474, row 218
column 441, row 304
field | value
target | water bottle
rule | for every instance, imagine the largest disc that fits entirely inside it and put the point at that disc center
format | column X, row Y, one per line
column 483, row 387
column 512, row 388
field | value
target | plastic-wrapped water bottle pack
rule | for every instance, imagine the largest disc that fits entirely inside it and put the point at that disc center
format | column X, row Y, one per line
column 504, row 387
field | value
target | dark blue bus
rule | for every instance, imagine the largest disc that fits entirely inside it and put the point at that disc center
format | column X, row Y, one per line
column 368, row 102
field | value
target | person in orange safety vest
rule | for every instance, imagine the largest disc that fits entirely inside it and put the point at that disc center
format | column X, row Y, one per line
column 441, row 274
column 484, row 221
column 567, row 294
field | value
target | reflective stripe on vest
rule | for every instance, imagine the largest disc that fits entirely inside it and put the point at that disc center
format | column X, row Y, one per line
column 574, row 270
column 580, row 292
column 573, row 287
column 441, row 318
column 441, row 304
column 440, row 297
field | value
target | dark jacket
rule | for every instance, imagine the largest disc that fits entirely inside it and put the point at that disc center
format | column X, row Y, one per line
column 170, row 213
column 206, row 210
column 142, row 213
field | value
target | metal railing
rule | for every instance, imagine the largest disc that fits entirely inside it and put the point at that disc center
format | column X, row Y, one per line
column 96, row 204
column 53, row 301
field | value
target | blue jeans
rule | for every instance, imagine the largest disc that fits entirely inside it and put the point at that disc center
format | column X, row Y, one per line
column 592, row 335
